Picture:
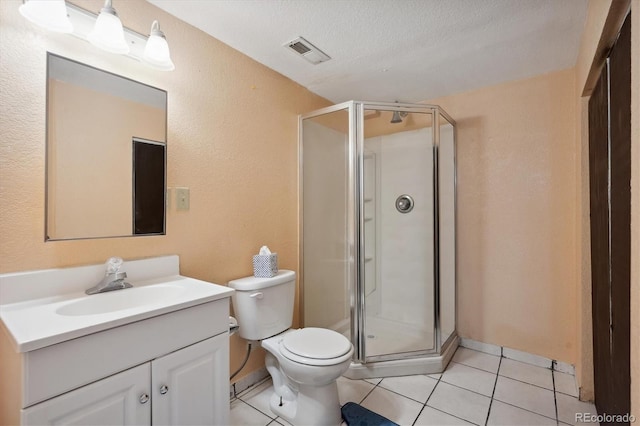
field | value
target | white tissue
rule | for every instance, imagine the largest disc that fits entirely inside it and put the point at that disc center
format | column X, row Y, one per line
column 265, row 250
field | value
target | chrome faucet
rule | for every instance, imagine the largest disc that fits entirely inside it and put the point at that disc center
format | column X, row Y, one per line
column 113, row 279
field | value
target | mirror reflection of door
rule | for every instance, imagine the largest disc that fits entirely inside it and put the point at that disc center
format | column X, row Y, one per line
column 92, row 118
column 149, row 159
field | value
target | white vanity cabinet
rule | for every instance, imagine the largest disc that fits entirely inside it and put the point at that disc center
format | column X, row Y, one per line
column 186, row 387
column 118, row 399
column 153, row 354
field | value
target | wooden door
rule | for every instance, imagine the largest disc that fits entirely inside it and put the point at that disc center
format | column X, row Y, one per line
column 610, row 177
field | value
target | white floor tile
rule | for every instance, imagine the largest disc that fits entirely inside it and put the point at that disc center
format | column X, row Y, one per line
column 477, row 359
column 243, row 414
column 460, row 402
column 565, row 383
column 414, row 387
column 353, row 390
column 470, row 378
column 508, row 415
column 258, row 397
column 526, row 373
column 394, row 407
column 435, row 376
column 281, row 421
column 569, row 406
column 432, row 417
column 524, row 395
column 374, row 381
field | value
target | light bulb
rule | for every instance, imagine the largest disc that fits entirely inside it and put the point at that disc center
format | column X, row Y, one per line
column 108, row 33
column 156, row 51
column 48, row 14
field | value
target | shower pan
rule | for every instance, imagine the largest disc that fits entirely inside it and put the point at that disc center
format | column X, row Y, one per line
column 378, row 233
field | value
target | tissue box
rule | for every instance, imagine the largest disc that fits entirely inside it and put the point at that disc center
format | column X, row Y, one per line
column 265, row 265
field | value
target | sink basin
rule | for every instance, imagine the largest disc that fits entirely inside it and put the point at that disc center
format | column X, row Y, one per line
column 119, row 300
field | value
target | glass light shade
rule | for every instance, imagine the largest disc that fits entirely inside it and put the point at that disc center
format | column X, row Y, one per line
column 48, row 14
column 108, row 33
column 156, row 51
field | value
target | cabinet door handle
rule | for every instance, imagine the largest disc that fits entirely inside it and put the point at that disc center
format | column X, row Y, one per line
column 144, row 398
column 164, row 389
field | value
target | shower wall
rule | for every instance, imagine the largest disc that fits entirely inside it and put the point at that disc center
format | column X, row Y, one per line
column 403, row 289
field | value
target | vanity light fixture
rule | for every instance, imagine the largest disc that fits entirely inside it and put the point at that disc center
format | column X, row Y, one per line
column 48, row 14
column 108, row 33
column 104, row 30
column 156, row 51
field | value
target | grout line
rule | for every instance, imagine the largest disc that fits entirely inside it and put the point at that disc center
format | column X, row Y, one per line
column 477, row 368
column 449, row 414
column 258, row 410
column 427, row 400
column 495, row 384
column 468, row 390
column 555, row 401
column 369, row 393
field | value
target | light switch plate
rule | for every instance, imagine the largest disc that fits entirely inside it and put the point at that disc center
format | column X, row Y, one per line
column 182, row 198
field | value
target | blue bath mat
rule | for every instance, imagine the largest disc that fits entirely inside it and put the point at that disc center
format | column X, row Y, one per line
column 356, row 415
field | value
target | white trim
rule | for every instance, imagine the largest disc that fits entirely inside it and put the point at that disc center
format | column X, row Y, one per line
column 480, row 346
column 528, row 358
column 247, row 382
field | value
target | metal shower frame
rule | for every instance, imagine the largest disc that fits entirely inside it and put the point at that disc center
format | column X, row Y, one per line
column 355, row 220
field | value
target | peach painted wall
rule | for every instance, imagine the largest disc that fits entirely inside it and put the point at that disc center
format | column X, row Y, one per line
column 232, row 139
column 517, row 213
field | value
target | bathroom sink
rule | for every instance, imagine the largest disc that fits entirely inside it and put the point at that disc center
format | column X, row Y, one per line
column 47, row 307
column 120, row 300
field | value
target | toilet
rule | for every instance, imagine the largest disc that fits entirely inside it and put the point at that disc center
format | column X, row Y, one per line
column 304, row 364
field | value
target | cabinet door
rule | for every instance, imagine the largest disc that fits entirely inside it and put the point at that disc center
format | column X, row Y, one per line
column 191, row 386
column 122, row 399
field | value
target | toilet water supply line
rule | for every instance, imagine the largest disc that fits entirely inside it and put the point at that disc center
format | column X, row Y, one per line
column 233, row 328
column 246, row 358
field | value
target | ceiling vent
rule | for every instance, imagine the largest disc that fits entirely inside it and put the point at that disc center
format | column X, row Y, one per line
column 307, row 50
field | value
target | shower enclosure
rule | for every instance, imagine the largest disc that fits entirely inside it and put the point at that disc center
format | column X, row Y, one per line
column 378, row 232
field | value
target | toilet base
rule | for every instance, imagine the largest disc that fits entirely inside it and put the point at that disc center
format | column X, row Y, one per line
column 312, row 405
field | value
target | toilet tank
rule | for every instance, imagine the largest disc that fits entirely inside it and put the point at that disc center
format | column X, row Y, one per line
column 264, row 306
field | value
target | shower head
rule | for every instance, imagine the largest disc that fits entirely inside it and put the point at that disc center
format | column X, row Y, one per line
column 398, row 116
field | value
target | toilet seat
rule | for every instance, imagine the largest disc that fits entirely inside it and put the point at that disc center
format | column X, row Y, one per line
column 316, row 346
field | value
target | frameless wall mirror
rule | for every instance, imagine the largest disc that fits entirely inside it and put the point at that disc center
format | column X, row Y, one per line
column 106, row 154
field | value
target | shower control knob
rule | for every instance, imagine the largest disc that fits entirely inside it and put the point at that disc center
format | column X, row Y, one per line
column 404, row 203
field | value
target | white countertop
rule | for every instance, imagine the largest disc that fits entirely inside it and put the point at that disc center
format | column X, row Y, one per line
column 43, row 321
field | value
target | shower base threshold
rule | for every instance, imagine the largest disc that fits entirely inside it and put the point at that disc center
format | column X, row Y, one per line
column 429, row 364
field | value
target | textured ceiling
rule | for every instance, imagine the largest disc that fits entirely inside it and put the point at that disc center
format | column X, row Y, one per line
column 387, row 50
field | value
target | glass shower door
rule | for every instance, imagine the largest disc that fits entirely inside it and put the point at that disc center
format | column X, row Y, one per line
column 397, row 233
column 327, row 219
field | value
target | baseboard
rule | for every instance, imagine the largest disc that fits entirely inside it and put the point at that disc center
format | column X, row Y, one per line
column 528, row 358
column 247, row 381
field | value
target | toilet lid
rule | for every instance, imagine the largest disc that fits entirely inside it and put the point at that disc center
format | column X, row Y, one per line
column 316, row 343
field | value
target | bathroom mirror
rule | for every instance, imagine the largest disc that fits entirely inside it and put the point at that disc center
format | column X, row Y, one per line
column 106, row 154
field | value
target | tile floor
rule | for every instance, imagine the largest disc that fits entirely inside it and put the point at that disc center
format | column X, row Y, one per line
column 477, row 388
